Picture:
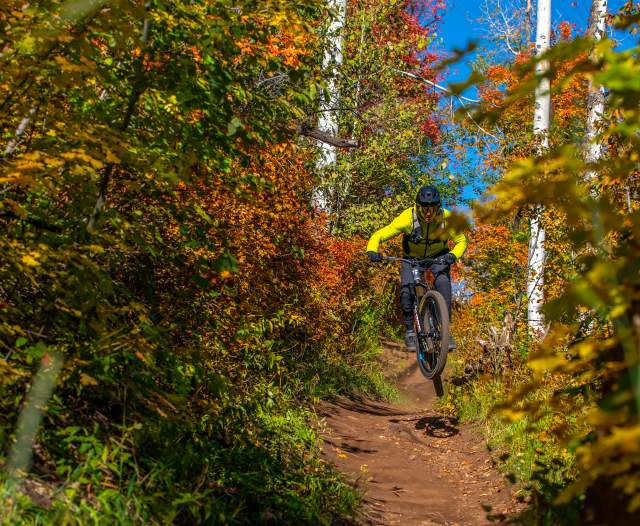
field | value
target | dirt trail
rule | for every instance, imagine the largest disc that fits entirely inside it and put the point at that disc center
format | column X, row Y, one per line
column 415, row 466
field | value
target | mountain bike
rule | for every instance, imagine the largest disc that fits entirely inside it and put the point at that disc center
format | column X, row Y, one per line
column 430, row 321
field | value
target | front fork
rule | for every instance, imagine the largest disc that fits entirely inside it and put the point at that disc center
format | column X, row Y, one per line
column 421, row 332
column 416, row 320
column 416, row 317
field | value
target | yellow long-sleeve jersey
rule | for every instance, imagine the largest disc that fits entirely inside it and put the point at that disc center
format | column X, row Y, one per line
column 421, row 238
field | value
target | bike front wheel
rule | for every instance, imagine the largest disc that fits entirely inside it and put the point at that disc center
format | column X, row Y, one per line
column 433, row 339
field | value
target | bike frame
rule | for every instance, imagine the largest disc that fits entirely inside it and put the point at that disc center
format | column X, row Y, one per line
column 418, row 268
column 432, row 346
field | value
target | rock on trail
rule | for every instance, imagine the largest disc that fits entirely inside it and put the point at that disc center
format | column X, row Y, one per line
column 414, row 465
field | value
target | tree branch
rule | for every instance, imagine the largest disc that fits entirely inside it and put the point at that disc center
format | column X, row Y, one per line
column 136, row 92
column 319, row 135
column 460, row 98
column 437, row 86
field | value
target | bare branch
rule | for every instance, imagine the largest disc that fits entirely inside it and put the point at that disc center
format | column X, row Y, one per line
column 319, row 135
column 437, row 86
column 460, row 98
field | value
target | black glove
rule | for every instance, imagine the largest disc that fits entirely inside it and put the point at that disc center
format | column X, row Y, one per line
column 374, row 257
column 449, row 259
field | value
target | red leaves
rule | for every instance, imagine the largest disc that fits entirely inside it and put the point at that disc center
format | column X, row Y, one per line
column 431, row 129
column 565, row 30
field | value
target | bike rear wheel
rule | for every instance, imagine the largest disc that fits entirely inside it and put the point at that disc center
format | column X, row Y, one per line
column 433, row 340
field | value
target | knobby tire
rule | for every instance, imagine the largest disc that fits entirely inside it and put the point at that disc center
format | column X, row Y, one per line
column 433, row 310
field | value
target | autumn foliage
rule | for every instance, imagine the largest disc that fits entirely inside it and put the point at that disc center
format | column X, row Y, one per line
column 563, row 411
column 159, row 246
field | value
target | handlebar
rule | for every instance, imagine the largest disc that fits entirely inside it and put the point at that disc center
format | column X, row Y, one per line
column 427, row 262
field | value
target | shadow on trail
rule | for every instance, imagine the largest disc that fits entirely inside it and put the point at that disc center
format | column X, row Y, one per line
column 438, row 426
column 362, row 405
column 350, row 448
column 415, row 466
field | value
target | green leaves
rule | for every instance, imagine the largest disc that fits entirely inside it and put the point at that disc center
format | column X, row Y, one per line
column 584, row 365
column 175, row 361
column 226, row 263
column 234, row 125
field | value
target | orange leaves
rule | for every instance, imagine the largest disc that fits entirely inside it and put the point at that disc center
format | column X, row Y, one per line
column 565, row 30
column 509, row 83
column 195, row 53
column 246, row 46
column 284, row 255
column 496, row 269
column 195, row 116
column 291, row 44
column 287, row 39
column 499, row 73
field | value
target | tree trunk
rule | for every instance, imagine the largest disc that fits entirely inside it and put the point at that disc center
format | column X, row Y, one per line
column 343, row 193
column 136, row 92
column 535, row 278
column 593, row 149
column 328, row 121
column 20, row 131
column 527, row 27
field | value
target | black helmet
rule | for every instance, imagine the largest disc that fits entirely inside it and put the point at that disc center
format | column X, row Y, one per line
column 428, row 196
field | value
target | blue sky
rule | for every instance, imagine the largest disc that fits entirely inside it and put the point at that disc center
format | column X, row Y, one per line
column 460, row 26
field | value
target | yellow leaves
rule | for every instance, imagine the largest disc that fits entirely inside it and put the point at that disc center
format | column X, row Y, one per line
column 340, row 453
column 7, row 371
column 27, row 45
column 548, row 363
column 296, row 319
column 621, row 440
column 30, row 259
column 618, row 311
column 512, row 415
column 87, row 380
column 29, row 161
column 67, row 66
column 83, row 157
column 63, row 307
column 96, row 249
column 603, row 419
column 25, row 165
column 171, row 104
column 14, row 179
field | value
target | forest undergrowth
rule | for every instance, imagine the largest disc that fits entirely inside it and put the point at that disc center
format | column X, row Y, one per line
column 182, row 271
column 171, row 303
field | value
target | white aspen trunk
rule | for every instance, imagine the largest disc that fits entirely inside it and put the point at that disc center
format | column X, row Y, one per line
column 535, row 278
column 593, row 149
column 328, row 120
column 15, row 141
column 17, row 136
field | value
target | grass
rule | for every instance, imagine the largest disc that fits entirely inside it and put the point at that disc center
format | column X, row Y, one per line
column 526, row 450
column 272, row 474
column 252, row 459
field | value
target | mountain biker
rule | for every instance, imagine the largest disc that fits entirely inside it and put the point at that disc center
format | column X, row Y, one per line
column 425, row 235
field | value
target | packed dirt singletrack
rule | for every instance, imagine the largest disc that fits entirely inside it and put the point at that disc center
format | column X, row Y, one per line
column 414, row 465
